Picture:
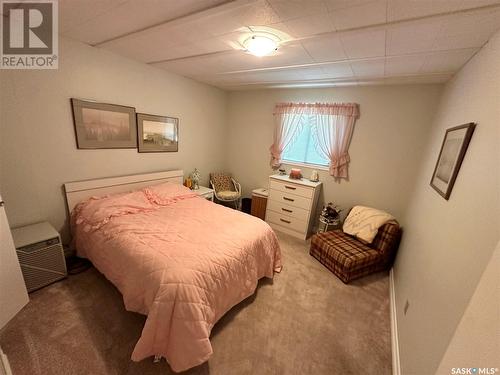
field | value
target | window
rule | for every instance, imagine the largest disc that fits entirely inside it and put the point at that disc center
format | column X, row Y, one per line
column 303, row 150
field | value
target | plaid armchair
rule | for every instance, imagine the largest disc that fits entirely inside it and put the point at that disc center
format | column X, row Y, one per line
column 349, row 259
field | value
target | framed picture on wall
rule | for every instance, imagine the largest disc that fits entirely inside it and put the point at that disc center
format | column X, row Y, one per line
column 157, row 133
column 100, row 125
column 455, row 143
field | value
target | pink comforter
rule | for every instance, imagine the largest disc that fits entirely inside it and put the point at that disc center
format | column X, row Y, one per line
column 182, row 261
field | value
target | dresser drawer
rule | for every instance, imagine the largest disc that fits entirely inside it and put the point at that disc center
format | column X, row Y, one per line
column 286, row 221
column 292, row 188
column 286, row 209
column 290, row 199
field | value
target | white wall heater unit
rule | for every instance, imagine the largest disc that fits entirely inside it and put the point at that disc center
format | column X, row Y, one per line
column 40, row 254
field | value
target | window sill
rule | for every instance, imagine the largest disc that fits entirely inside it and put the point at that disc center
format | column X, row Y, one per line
column 306, row 165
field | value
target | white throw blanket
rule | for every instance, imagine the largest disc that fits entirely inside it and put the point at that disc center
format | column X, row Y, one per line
column 363, row 222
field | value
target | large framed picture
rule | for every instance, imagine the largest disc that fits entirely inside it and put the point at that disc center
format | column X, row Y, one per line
column 157, row 133
column 455, row 143
column 100, row 125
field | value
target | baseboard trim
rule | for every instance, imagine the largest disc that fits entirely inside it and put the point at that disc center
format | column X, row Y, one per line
column 396, row 366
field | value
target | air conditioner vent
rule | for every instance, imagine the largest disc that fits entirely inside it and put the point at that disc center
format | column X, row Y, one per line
column 42, row 261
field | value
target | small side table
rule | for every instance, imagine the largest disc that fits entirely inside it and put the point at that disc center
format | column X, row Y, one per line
column 325, row 226
column 205, row 192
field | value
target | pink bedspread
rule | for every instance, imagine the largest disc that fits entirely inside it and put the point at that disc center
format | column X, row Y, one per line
column 182, row 262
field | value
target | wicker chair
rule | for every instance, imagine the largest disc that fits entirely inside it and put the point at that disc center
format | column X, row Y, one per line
column 226, row 189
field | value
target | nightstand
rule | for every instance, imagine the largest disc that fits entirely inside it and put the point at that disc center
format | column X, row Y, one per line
column 205, row 192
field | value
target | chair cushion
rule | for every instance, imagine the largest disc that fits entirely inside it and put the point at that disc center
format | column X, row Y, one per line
column 364, row 222
column 229, row 195
column 222, row 182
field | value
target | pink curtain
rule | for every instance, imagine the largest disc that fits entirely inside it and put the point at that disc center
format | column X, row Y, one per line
column 287, row 125
column 332, row 131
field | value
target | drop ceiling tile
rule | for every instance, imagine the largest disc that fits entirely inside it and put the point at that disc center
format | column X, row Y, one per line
column 333, row 5
column 291, row 9
column 358, row 16
column 325, row 49
column 76, row 12
column 467, row 4
column 145, row 48
column 269, row 76
column 210, row 26
column 153, row 44
column 369, row 68
column 402, row 65
column 256, row 13
column 487, row 21
column 172, row 53
column 365, row 43
column 311, row 73
column 310, row 25
column 338, row 70
column 131, row 16
column 184, row 68
column 434, row 78
column 404, row 9
column 411, row 37
column 443, row 43
column 449, row 61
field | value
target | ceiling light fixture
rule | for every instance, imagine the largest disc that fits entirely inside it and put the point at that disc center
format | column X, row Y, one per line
column 259, row 45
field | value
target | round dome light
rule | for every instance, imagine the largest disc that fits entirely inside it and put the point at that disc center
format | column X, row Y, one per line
column 259, row 45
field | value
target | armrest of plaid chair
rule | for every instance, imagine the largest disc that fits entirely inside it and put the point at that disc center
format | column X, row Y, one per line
column 386, row 242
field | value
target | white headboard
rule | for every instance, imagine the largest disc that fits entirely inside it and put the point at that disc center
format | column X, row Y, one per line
column 80, row 190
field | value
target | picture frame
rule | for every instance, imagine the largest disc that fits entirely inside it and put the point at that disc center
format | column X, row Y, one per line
column 103, row 126
column 157, row 133
column 455, row 143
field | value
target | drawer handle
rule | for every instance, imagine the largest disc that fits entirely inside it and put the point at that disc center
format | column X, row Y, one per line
column 285, row 221
column 284, row 209
column 288, row 199
column 290, row 187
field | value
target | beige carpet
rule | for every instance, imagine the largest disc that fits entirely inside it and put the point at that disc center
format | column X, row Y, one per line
column 306, row 321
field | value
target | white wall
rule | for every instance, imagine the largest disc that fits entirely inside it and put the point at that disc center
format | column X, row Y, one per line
column 37, row 141
column 386, row 147
column 476, row 342
column 447, row 244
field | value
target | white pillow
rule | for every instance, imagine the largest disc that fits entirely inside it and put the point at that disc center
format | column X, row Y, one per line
column 363, row 222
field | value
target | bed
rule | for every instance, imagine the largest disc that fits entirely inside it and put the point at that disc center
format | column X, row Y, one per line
column 179, row 259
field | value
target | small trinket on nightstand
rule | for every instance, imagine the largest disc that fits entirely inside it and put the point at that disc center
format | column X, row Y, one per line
column 195, row 177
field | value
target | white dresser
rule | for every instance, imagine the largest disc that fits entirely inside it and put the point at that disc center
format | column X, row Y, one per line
column 291, row 207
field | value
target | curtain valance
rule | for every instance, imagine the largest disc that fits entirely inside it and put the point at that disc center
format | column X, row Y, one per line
column 339, row 109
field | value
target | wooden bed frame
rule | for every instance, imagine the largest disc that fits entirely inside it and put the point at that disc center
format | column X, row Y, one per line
column 80, row 190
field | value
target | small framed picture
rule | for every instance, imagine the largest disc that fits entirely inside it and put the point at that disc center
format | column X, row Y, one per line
column 157, row 133
column 455, row 143
column 100, row 125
